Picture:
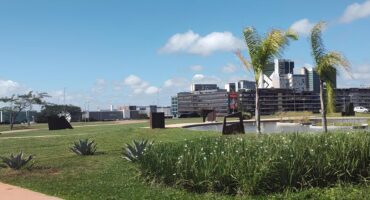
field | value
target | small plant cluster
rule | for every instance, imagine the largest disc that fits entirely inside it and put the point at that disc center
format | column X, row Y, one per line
column 84, row 147
column 16, row 162
column 261, row 164
column 135, row 151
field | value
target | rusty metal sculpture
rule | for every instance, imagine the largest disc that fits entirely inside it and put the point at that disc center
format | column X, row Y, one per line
column 233, row 127
column 210, row 115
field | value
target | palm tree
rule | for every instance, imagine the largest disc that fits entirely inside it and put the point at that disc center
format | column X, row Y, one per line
column 326, row 68
column 261, row 52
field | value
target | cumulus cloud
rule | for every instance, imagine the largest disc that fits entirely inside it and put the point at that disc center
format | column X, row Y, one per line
column 151, row 90
column 201, row 78
column 302, row 26
column 176, row 82
column 8, row 87
column 356, row 11
column 139, row 86
column 229, row 68
column 193, row 43
column 196, row 68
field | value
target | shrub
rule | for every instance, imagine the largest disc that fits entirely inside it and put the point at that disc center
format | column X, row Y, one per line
column 16, row 162
column 261, row 164
column 84, row 147
column 247, row 115
column 134, row 152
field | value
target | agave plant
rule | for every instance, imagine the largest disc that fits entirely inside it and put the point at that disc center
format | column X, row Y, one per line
column 84, row 147
column 134, row 152
column 16, row 162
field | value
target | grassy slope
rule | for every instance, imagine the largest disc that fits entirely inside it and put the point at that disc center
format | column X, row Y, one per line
column 107, row 176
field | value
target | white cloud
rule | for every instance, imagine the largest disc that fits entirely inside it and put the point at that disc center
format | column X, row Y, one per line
column 200, row 78
column 193, row 43
column 132, row 80
column 180, row 42
column 151, row 90
column 8, row 87
column 139, row 86
column 176, row 82
column 99, row 86
column 356, row 11
column 302, row 26
column 196, row 68
column 361, row 72
column 229, row 68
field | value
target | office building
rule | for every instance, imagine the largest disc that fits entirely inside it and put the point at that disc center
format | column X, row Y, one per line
column 274, row 74
column 357, row 96
column 174, row 106
column 279, row 100
column 192, row 103
column 240, row 85
column 203, row 87
column 313, row 80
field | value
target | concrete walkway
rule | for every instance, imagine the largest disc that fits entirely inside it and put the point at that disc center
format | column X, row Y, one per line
column 10, row 192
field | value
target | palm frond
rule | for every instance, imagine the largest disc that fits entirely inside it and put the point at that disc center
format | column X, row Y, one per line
column 274, row 44
column 317, row 45
column 243, row 60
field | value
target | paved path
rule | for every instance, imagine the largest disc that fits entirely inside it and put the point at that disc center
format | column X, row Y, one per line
column 10, row 192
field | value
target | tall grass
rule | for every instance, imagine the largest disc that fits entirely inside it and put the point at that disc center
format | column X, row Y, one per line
column 261, row 164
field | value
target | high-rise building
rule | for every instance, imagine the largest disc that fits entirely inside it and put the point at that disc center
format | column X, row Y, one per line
column 279, row 74
column 313, row 80
column 240, row 85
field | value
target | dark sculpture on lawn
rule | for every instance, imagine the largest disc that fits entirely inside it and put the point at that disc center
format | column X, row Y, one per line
column 233, row 127
column 210, row 115
column 58, row 122
column 348, row 110
column 157, row 120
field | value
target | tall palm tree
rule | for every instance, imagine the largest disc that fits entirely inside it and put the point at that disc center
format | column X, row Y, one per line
column 262, row 50
column 327, row 64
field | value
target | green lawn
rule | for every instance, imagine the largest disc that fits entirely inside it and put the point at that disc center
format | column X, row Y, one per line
column 60, row 172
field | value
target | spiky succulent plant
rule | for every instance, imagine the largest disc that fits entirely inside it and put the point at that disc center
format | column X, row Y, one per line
column 134, row 152
column 84, row 147
column 16, row 162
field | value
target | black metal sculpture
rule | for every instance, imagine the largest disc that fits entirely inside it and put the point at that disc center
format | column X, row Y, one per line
column 348, row 110
column 58, row 123
column 210, row 115
column 233, row 127
column 157, row 120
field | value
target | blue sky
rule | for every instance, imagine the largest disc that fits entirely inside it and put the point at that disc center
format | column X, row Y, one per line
column 142, row 52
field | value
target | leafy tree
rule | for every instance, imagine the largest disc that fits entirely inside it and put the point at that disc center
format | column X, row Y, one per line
column 262, row 50
column 326, row 68
column 54, row 109
column 19, row 103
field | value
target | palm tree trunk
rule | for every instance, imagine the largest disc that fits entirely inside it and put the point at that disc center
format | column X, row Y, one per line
column 323, row 108
column 257, row 111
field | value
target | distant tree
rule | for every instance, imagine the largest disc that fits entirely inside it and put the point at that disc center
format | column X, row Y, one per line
column 261, row 52
column 54, row 109
column 326, row 68
column 19, row 103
